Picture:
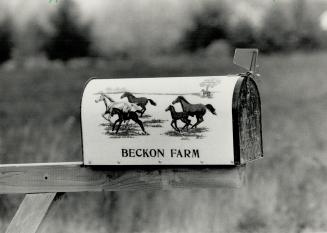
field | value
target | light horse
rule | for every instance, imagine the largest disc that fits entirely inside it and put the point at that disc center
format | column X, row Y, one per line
column 197, row 110
column 104, row 98
column 140, row 101
column 125, row 111
column 125, row 107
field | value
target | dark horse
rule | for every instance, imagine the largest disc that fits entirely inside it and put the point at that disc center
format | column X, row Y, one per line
column 140, row 101
column 124, row 116
column 183, row 116
column 197, row 110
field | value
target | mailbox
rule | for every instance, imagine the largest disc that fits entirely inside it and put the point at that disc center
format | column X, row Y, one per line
column 211, row 120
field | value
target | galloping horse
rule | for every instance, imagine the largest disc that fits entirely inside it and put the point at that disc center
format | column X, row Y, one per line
column 140, row 101
column 125, row 107
column 125, row 111
column 104, row 98
column 183, row 116
column 197, row 110
column 126, row 116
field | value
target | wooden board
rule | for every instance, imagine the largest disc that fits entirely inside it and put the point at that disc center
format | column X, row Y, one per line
column 31, row 213
column 74, row 177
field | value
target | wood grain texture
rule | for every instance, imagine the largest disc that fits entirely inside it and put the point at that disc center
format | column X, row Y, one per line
column 247, row 127
column 31, row 213
column 74, row 177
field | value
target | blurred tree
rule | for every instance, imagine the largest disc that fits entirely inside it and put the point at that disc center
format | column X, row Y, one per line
column 6, row 44
column 307, row 30
column 209, row 25
column 29, row 40
column 243, row 35
column 290, row 26
column 70, row 38
column 299, row 11
column 277, row 33
column 323, row 39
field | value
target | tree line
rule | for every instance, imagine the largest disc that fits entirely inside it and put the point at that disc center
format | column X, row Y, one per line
column 284, row 28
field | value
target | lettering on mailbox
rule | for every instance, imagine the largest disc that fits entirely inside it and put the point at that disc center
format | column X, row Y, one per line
column 160, row 153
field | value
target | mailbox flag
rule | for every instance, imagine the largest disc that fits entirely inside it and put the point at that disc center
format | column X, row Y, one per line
column 246, row 58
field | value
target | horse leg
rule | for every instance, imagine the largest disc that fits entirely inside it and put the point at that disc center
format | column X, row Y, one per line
column 107, row 119
column 137, row 120
column 199, row 120
column 127, row 122
column 184, row 121
column 144, row 108
column 173, row 124
column 118, row 126
column 114, row 125
column 187, row 123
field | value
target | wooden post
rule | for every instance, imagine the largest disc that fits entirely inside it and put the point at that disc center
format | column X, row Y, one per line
column 31, row 212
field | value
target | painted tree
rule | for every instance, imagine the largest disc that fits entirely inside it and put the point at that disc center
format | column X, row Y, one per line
column 209, row 83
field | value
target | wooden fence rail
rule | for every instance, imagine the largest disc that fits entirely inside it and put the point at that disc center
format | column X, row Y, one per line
column 74, row 177
column 43, row 182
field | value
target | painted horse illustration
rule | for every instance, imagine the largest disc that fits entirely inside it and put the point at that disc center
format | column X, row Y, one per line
column 104, row 98
column 206, row 93
column 125, row 112
column 183, row 116
column 125, row 107
column 140, row 101
column 197, row 110
column 126, row 116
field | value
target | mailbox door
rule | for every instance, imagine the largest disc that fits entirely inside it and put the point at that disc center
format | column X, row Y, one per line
column 247, row 121
column 150, row 132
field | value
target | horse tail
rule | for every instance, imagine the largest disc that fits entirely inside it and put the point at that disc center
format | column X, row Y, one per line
column 211, row 109
column 152, row 102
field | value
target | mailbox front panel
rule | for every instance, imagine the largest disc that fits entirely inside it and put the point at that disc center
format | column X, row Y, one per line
column 247, row 121
column 158, row 121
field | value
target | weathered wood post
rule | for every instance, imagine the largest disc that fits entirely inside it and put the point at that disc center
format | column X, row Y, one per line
column 150, row 133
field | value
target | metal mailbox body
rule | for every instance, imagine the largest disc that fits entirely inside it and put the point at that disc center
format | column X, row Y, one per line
column 212, row 120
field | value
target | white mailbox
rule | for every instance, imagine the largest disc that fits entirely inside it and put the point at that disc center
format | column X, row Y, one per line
column 212, row 120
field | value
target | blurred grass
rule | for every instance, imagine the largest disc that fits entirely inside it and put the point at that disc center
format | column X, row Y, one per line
column 286, row 191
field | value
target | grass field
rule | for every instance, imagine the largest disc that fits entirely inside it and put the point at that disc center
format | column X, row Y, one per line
column 285, row 192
